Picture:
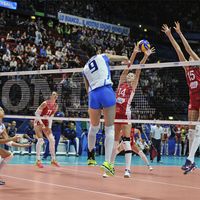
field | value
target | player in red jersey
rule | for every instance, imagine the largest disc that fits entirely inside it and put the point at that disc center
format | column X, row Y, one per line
column 137, row 146
column 126, row 89
column 178, row 138
column 47, row 109
column 193, row 80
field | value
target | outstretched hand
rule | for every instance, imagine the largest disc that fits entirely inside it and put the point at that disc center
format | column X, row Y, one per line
column 166, row 29
column 150, row 51
column 136, row 48
column 177, row 27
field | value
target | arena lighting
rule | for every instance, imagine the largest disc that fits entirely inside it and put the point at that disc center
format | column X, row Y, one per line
column 170, row 117
column 8, row 4
column 140, row 25
column 33, row 17
column 145, row 30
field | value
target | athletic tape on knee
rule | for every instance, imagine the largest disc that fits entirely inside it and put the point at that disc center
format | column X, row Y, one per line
column 93, row 130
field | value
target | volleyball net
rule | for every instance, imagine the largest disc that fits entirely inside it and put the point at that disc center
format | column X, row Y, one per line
column 161, row 97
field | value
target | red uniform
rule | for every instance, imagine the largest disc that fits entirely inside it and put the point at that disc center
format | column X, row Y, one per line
column 124, row 97
column 178, row 132
column 47, row 112
column 193, row 81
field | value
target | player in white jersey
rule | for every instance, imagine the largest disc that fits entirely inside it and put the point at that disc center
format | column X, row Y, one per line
column 4, row 139
column 98, row 84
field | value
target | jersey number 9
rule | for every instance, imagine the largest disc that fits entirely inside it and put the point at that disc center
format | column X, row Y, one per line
column 93, row 66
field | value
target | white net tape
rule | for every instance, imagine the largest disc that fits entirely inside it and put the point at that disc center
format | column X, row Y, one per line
column 120, row 67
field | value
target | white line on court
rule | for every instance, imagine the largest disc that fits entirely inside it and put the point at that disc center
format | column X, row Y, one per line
column 137, row 179
column 70, row 187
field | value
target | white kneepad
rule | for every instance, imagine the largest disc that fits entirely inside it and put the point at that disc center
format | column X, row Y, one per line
column 110, row 129
column 94, row 129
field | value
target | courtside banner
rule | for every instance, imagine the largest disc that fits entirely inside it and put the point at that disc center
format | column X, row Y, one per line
column 80, row 21
column 8, row 4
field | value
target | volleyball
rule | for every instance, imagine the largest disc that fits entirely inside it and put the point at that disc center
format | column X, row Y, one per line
column 144, row 45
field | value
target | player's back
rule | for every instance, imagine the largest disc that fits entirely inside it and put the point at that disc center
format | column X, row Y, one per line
column 97, row 71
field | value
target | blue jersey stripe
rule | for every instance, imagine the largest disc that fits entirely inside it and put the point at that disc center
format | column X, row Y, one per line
column 107, row 61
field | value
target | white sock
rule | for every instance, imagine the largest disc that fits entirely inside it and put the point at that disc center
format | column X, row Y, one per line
column 195, row 144
column 176, row 146
column 39, row 144
column 166, row 149
column 180, row 149
column 93, row 130
column 128, row 154
column 162, row 146
column 114, row 152
column 144, row 158
column 52, row 146
column 109, row 142
column 191, row 133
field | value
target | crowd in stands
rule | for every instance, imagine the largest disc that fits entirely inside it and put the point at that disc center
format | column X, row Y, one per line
column 42, row 44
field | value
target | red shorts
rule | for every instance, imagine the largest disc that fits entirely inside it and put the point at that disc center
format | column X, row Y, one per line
column 178, row 135
column 194, row 102
column 121, row 116
column 165, row 136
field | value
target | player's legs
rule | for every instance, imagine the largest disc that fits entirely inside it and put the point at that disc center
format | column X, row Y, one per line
column 193, row 115
column 109, row 116
column 39, row 144
column 94, row 115
column 138, row 151
column 127, row 147
column 6, row 156
column 118, row 128
column 48, row 133
column 176, row 145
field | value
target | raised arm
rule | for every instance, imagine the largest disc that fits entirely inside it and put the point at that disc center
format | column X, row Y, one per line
column 138, row 71
column 177, row 48
column 126, row 70
column 185, row 42
column 116, row 58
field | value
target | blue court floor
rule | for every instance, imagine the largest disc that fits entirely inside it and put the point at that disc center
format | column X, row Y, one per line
column 120, row 160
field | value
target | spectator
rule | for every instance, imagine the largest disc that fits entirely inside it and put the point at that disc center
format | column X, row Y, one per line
column 43, row 52
column 13, row 64
column 70, row 137
column 38, row 38
column 156, row 135
column 30, row 135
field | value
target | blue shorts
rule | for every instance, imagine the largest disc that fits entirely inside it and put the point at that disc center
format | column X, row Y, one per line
column 102, row 97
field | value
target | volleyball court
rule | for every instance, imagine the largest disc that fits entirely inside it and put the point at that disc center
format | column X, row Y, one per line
column 152, row 104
